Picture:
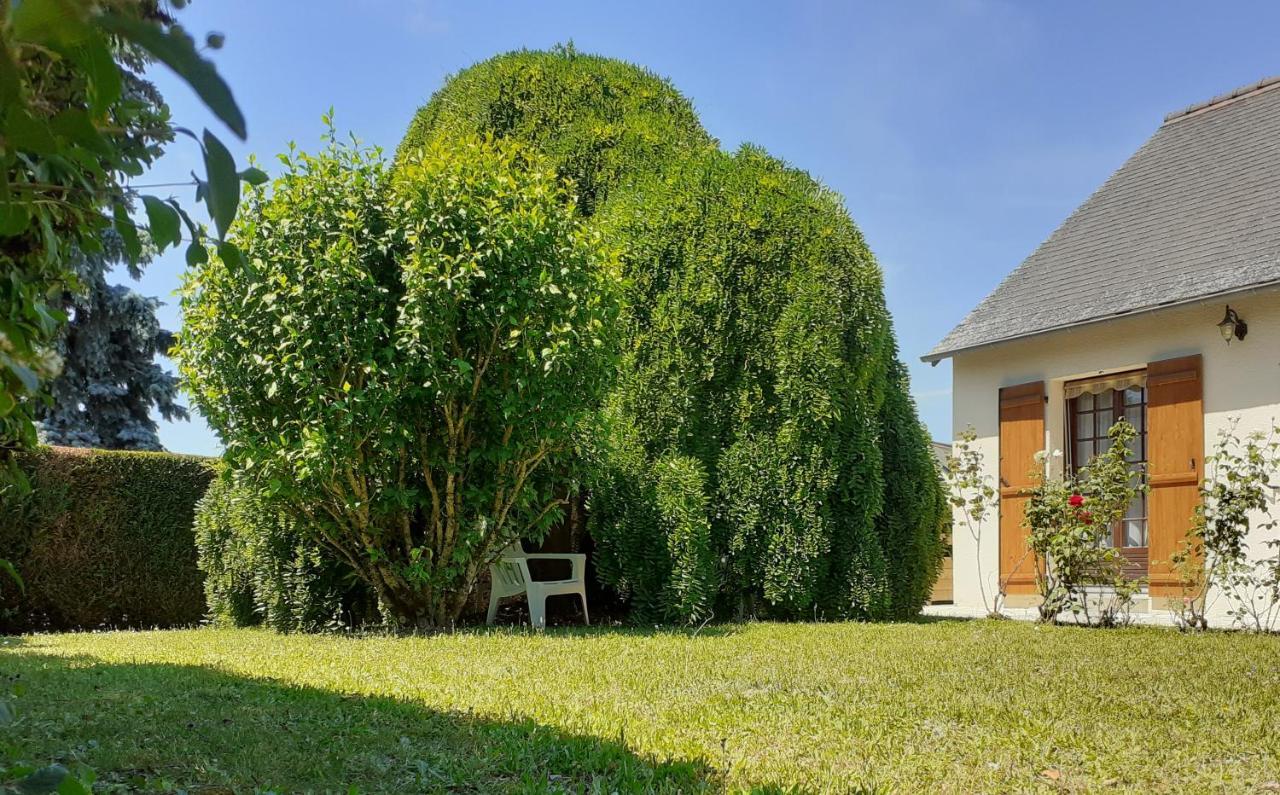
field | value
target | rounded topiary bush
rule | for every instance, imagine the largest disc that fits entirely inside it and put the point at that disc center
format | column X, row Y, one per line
column 602, row 122
column 760, row 347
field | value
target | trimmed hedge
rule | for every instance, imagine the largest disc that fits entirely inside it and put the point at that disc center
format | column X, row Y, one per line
column 601, row 121
column 103, row 539
column 260, row 569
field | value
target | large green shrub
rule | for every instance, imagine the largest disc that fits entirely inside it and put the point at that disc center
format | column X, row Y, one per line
column 600, row 121
column 758, row 345
column 403, row 365
column 759, row 365
column 261, row 568
column 103, row 539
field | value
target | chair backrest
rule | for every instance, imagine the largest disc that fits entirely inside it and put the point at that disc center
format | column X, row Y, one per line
column 510, row 575
column 514, row 550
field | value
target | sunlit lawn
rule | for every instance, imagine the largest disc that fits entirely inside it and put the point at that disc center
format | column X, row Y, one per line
column 941, row 706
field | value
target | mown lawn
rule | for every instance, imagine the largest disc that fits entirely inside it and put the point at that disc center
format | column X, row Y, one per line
column 938, row 706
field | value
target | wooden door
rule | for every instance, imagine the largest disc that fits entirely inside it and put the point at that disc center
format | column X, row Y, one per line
column 1175, row 418
column 1021, row 437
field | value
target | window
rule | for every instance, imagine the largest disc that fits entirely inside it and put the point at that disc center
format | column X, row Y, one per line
column 1090, row 416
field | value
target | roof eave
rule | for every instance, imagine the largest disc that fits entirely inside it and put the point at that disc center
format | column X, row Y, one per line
column 935, row 356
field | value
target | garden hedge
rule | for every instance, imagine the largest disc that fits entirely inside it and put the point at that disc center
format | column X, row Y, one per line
column 103, row 539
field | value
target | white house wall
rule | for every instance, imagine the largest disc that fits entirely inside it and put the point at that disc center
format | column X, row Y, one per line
column 1241, row 380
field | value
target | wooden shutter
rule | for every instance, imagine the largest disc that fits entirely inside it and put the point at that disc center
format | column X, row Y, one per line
column 1175, row 453
column 1021, row 437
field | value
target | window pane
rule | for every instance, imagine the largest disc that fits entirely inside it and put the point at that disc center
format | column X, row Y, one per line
column 1084, row 452
column 1133, row 415
column 1084, row 402
column 1135, row 533
column 1133, row 395
column 1103, row 420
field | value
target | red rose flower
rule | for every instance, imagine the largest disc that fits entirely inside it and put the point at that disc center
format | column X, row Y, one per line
column 1076, row 500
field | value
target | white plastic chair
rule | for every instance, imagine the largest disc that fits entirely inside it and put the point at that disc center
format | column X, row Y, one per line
column 510, row 577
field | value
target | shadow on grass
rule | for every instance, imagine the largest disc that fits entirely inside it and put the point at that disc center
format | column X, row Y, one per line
column 183, row 727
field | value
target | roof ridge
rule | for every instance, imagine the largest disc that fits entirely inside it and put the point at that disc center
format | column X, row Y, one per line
column 1224, row 99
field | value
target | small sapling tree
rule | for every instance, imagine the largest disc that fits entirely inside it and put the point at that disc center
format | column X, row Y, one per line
column 975, row 500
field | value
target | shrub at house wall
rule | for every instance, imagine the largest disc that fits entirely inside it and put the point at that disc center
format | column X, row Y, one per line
column 103, row 539
column 759, row 360
column 758, row 345
column 260, row 568
column 402, row 365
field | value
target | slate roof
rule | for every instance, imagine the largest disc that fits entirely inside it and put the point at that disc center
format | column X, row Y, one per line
column 1194, row 213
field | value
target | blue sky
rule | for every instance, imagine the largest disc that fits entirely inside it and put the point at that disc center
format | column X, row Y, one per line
column 960, row 133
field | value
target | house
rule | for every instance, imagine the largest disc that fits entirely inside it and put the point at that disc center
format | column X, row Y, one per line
column 1120, row 313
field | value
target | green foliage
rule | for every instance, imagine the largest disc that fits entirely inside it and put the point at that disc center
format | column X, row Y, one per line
column 103, row 539
column 1236, row 498
column 402, row 364
column 600, row 121
column 76, row 123
column 1070, row 522
column 681, row 496
column 915, row 522
column 756, row 345
column 261, row 568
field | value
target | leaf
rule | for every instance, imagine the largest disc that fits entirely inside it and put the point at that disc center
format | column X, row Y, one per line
column 229, row 254
column 14, row 218
column 128, row 233
column 105, row 84
column 58, row 22
column 23, row 373
column 223, row 192
column 73, row 786
column 177, row 50
column 6, row 714
column 197, row 254
column 254, row 176
column 44, row 780
column 25, row 132
column 164, row 222
column 8, row 568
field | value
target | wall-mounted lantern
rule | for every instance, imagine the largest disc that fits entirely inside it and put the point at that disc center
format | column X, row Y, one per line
column 1232, row 325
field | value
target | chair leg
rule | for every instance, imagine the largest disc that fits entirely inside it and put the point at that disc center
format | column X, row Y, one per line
column 586, row 619
column 493, row 605
column 537, row 609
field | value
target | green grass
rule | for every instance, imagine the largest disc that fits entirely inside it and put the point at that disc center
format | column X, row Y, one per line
column 938, row 706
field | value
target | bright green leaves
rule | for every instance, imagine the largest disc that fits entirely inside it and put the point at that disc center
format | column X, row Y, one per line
column 387, row 359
